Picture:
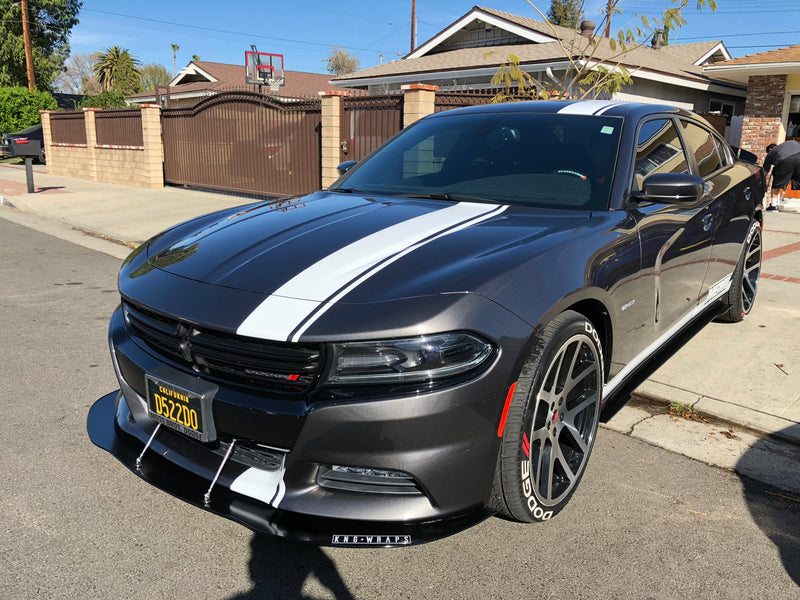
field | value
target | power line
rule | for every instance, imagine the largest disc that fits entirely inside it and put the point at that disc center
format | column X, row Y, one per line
column 226, row 31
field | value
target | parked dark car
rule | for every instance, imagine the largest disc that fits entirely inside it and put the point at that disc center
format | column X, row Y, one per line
column 435, row 338
column 29, row 134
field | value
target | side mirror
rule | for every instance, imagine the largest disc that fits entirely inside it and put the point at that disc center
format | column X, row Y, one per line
column 671, row 188
column 346, row 166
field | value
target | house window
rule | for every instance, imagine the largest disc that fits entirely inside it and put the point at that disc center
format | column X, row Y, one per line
column 793, row 122
column 722, row 107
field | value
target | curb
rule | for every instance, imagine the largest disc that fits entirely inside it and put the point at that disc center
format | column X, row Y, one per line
column 717, row 411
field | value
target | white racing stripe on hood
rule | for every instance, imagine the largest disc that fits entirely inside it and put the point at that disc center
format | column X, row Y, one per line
column 299, row 302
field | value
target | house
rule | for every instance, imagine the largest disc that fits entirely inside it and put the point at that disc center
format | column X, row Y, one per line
column 200, row 79
column 772, row 112
column 467, row 54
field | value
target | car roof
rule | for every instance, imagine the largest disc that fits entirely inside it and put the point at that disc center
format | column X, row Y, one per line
column 577, row 107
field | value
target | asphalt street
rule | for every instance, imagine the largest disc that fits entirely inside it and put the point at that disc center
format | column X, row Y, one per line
column 645, row 523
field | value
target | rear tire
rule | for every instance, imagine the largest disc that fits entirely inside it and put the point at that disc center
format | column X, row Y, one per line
column 744, row 282
column 551, row 423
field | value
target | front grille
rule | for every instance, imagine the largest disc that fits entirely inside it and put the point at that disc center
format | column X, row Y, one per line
column 266, row 365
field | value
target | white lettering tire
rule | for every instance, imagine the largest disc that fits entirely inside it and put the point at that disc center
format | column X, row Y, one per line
column 552, row 421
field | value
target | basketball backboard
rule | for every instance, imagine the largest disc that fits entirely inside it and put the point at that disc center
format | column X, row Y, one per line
column 264, row 68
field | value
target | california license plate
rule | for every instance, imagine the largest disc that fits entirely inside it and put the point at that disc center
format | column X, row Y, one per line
column 182, row 403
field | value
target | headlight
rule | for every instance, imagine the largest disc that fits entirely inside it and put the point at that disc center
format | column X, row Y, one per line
column 421, row 358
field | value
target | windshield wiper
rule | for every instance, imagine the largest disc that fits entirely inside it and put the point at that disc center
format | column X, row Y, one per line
column 349, row 191
column 452, row 197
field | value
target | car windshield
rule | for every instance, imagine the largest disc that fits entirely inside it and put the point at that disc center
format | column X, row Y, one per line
column 541, row 160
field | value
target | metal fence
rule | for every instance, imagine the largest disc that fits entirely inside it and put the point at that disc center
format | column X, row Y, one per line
column 119, row 128
column 245, row 142
column 450, row 100
column 68, row 128
column 367, row 122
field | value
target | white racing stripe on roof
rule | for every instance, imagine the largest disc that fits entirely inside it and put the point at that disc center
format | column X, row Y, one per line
column 299, row 302
column 587, row 107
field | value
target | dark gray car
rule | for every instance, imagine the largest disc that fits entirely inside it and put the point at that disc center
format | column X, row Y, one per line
column 435, row 338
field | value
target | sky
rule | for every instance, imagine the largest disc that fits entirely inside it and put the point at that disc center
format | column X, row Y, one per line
column 375, row 31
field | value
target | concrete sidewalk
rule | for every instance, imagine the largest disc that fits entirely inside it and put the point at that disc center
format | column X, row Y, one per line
column 745, row 374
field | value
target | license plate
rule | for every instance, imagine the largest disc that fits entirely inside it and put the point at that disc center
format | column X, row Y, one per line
column 182, row 403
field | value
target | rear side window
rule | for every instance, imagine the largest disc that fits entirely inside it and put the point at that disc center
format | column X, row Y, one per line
column 658, row 150
column 702, row 144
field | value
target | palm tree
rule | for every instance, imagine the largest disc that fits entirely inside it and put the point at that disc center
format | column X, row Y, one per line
column 196, row 57
column 106, row 64
column 175, row 49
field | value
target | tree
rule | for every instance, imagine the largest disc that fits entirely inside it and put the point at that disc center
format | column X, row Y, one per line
column 50, row 23
column 175, row 49
column 19, row 107
column 196, row 57
column 105, row 99
column 77, row 76
column 153, row 75
column 117, row 70
column 594, row 64
column 340, row 61
column 567, row 13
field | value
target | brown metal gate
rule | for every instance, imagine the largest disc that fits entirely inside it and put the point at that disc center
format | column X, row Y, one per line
column 245, row 142
column 367, row 122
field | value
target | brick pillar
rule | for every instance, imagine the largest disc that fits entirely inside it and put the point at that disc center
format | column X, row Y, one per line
column 47, row 133
column 418, row 101
column 91, row 141
column 763, row 113
column 331, row 135
column 153, row 175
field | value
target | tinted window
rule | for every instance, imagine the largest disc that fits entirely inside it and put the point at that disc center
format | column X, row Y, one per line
column 704, row 147
column 658, row 150
column 545, row 160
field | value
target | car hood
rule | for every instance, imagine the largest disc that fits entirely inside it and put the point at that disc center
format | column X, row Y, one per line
column 330, row 247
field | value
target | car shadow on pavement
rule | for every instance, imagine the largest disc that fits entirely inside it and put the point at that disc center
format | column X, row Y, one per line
column 775, row 511
column 280, row 568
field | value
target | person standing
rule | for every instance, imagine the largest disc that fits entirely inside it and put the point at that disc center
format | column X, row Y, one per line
column 784, row 162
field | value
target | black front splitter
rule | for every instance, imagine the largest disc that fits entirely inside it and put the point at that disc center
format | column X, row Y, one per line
column 262, row 518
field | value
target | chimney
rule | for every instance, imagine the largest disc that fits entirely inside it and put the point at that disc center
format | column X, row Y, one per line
column 587, row 28
column 658, row 39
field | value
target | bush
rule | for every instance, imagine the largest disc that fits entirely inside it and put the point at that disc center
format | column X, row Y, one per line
column 104, row 100
column 19, row 108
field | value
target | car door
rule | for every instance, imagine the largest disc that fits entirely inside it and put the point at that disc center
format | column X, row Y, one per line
column 675, row 238
column 731, row 203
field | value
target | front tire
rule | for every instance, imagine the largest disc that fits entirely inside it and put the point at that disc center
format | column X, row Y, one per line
column 744, row 282
column 552, row 422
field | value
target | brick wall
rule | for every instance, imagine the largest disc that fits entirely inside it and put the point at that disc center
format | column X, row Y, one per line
column 128, row 165
column 763, row 113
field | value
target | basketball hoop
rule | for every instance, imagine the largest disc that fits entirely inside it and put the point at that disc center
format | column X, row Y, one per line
column 263, row 68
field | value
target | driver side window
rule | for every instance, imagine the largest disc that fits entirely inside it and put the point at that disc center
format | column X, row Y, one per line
column 658, row 150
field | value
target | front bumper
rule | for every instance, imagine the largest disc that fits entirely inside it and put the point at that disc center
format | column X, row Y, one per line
column 187, row 474
column 444, row 440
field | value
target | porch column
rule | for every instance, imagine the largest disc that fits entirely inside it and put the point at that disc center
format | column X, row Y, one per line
column 764, row 113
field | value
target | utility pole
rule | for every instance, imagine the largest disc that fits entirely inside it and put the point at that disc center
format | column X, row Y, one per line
column 608, row 19
column 413, row 24
column 26, row 35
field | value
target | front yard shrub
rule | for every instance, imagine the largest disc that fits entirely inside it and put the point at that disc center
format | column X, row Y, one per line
column 19, row 107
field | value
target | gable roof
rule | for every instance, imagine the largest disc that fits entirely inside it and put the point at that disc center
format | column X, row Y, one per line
column 782, row 61
column 454, row 53
column 200, row 78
